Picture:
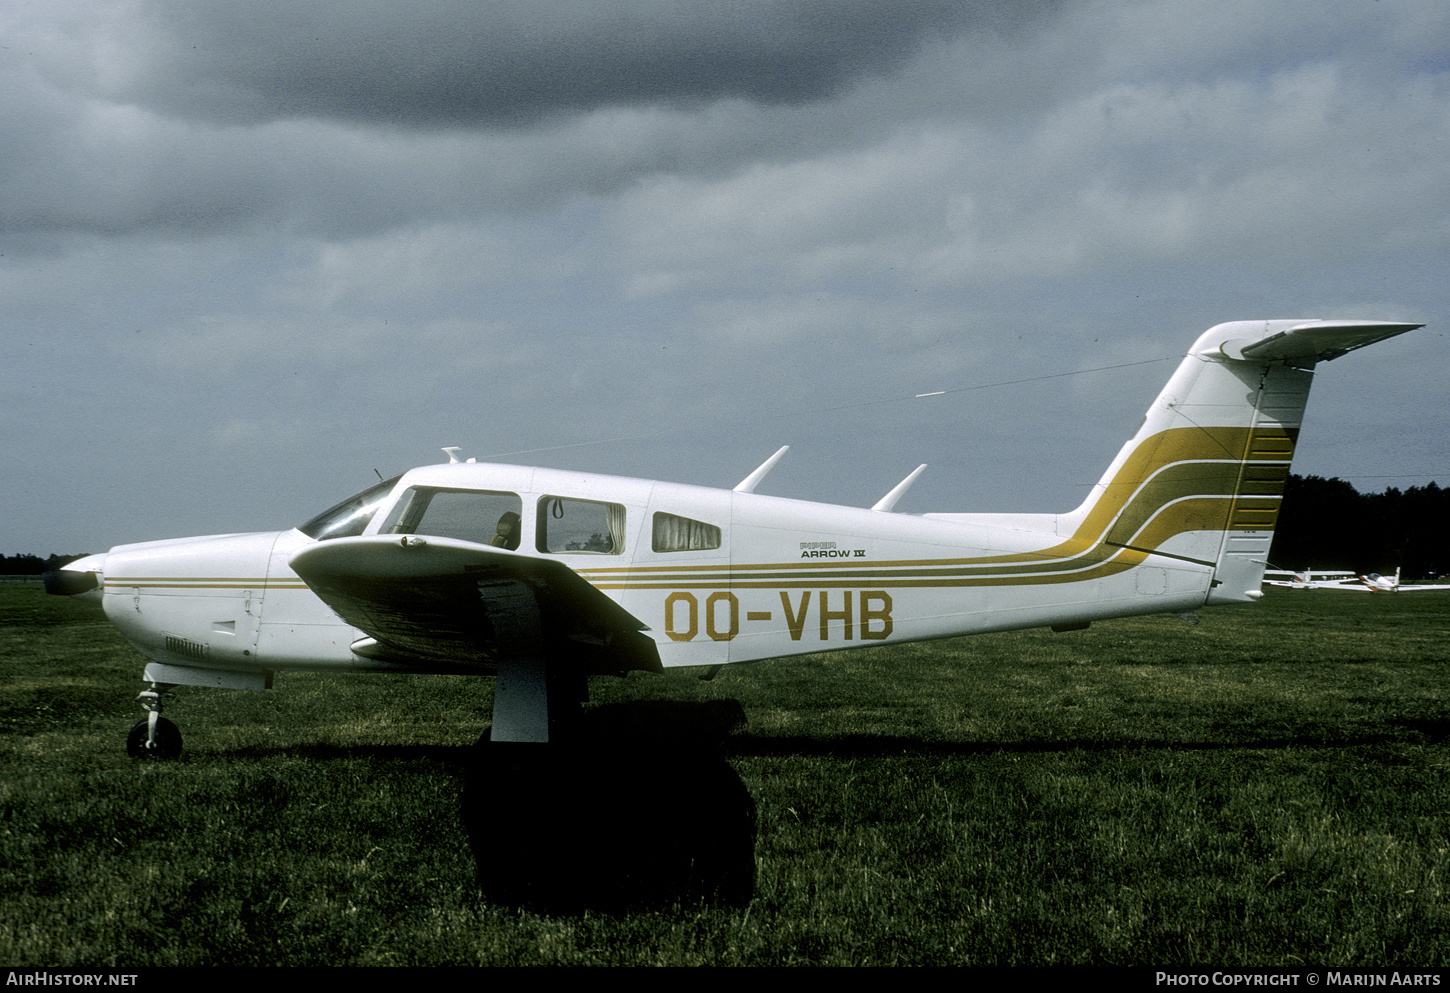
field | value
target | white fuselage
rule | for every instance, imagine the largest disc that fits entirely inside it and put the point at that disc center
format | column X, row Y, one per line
column 787, row 577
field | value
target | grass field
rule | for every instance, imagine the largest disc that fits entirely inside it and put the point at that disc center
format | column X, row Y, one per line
column 1268, row 787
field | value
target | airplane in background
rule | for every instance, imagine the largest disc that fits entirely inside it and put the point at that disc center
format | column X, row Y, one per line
column 544, row 577
column 1348, row 581
column 1307, row 579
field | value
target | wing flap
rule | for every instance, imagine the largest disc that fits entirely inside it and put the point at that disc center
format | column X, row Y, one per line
column 447, row 600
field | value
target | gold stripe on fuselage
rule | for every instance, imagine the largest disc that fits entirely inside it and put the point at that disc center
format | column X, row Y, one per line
column 121, row 583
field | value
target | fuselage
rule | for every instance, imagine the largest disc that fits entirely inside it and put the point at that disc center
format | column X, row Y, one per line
column 716, row 576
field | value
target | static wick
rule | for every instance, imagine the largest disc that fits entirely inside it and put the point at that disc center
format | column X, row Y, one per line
column 936, row 394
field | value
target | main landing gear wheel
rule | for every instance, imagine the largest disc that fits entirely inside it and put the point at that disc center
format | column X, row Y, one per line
column 164, row 744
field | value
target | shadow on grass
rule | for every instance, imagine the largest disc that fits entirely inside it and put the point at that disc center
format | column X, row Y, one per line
column 637, row 808
column 640, row 809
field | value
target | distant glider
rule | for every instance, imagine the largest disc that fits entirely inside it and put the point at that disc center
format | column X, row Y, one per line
column 543, row 577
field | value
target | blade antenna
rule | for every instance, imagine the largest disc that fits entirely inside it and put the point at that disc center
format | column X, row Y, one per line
column 748, row 484
column 889, row 500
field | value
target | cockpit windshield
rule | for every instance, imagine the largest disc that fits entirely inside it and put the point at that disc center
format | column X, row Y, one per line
column 350, row 517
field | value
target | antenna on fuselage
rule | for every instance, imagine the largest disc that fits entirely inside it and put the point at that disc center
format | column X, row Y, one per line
column 889, row 500
column 748, row 484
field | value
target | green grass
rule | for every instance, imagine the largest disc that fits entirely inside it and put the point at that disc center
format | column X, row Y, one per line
column 1266, row 788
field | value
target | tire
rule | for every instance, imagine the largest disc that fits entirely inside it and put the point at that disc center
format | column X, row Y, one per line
column 167, row 745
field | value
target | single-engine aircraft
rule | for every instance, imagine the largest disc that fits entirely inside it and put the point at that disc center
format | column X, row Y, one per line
column 543, row 577
column 1348, row 582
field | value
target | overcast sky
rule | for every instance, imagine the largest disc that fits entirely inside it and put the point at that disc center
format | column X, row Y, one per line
column 253, row 252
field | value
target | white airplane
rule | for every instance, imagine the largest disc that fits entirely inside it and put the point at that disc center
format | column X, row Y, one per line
column 1308, row 579
column 545, row 577
column 1349, row 582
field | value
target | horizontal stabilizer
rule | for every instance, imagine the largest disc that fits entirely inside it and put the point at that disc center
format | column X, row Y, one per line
column 1309, row 342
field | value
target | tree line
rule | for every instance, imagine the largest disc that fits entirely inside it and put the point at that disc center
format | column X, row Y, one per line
column 1328, row 524
column 1323, row 524
column 34, row 565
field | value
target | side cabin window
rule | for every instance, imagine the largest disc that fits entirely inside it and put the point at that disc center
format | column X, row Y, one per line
column 486, row 517
column 567, row 525
column 672, row 533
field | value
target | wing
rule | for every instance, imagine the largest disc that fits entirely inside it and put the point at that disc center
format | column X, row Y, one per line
column 426, row 600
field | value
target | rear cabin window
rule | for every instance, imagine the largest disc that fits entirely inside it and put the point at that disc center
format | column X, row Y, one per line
column 567, row 525
column 487, row 517
column 672, row 533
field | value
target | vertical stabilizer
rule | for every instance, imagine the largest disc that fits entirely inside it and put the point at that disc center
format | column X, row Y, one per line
column 1203, row 478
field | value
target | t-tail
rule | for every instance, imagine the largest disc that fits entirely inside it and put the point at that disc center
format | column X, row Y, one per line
column 1203, row 479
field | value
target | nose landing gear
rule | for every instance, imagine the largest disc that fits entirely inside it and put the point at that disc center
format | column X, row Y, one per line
column 155, row 737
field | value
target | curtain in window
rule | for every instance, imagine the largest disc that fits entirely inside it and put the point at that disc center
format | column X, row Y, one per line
column 680, row 534
column 616, row 527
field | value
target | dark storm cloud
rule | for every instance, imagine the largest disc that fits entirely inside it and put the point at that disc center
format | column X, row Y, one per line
column 460, row 64
column 266, row 247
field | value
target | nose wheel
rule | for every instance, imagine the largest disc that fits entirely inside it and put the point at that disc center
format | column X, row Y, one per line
column 155, row 737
